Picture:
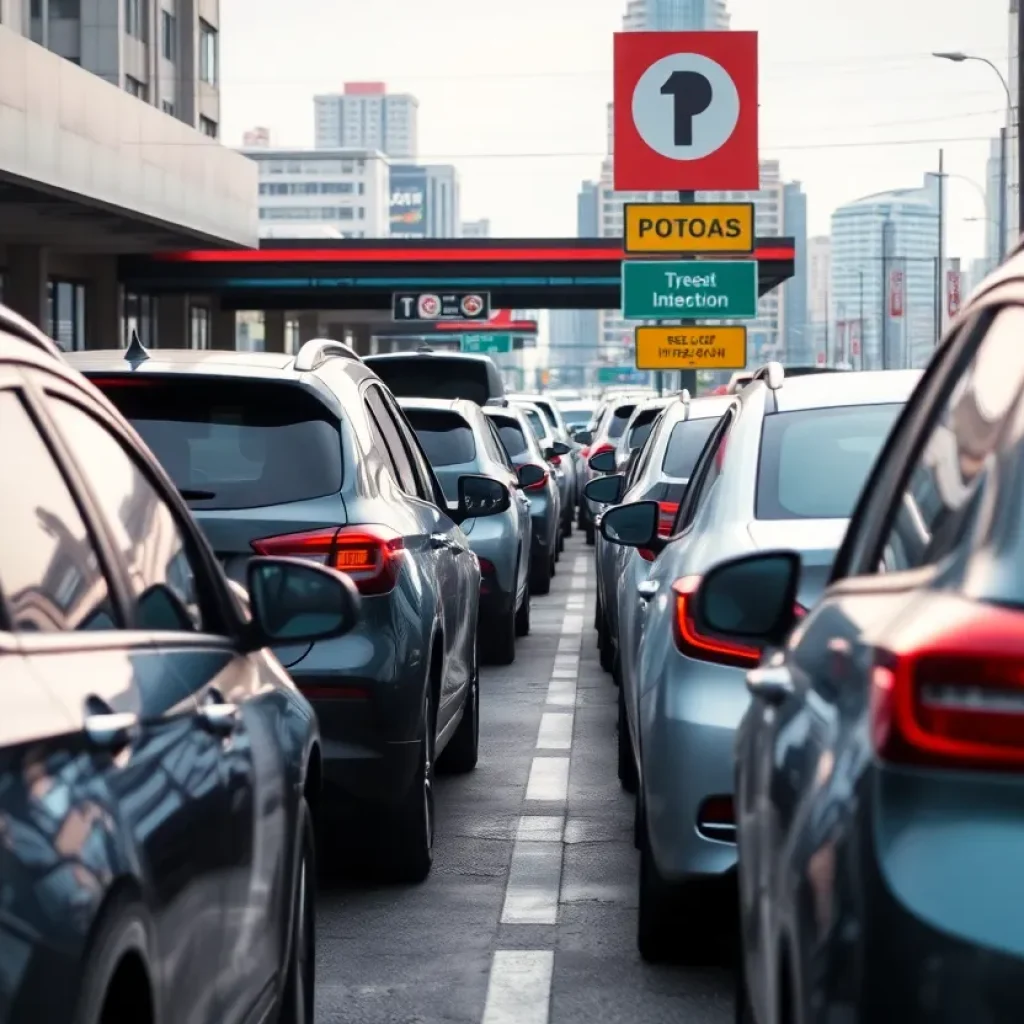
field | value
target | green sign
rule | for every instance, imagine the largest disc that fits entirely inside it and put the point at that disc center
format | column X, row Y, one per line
column 689, row 290
column 621, row 375
column 486, row 343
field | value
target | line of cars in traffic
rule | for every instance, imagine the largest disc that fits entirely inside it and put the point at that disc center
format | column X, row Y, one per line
column 811, row 599
column 243, row 603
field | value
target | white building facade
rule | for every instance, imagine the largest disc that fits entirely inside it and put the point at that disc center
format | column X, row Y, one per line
column 367, row 116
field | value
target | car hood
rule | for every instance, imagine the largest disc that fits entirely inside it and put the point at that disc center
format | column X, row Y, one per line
column 816, row 541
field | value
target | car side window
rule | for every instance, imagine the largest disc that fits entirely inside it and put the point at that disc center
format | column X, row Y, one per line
column 393, row 439
column 427, row 487
column 50, row 570
column 162, row 572
column 933, row 513
column 706, row 472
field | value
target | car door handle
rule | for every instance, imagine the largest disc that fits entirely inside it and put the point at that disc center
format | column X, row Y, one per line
column 112, row 731
column 772, row 683
column 220, row 717
column 439, row 541
column 647, row 589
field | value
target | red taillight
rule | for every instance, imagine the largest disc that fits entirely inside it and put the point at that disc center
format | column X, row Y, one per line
column 695, row 644
column 585, row 452
column 487, row 574
column 953, row 694
column 369, row 555
column 539, row 485
column 103, row 383
column 601, row 448
column 555, row 460
column 667, row 511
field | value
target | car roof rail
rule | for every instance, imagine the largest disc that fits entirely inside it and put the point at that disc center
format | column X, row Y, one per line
column 24, row 331
column 684, row 396
column 315, row 352
column 772, row 374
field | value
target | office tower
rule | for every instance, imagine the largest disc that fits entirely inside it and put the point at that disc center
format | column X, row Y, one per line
column 367, row 116
column 425, row 201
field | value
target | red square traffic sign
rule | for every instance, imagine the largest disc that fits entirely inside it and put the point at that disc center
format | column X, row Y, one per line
column 686, row 111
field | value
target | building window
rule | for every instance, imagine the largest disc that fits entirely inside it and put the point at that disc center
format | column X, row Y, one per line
column 199, row 327
column 168, row 35
column 207, row 53
column 134, row 18
column 140, row 319
column 135, row 87
column 66, row 314
column 208, row 127
column 167, row 107
column 65, row 9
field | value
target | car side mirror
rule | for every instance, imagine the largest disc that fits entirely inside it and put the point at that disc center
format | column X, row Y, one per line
column 633, row 526
column 530, row 476
column 583, row 437
column 605, row 490
column 294, row 601
column 603, row 462
column 560, row 448
column 750, row 599
column 481, row 496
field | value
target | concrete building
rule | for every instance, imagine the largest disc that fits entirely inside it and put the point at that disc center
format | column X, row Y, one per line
column 424, row 201
column 107, row 146
column 476, row 228
column 256, row 138
column 797, row 338
column 675, row 15
column 871, row 238
column 366, row 116
column 819, row 272
column 343, row 193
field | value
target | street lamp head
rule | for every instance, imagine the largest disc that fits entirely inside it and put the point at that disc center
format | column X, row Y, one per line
column 954, row 55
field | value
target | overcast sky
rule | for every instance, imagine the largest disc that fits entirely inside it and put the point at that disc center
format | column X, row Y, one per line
column 514, row 93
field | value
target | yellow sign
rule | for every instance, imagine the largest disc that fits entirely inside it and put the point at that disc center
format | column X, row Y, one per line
column 697, row 228
column 691, row 348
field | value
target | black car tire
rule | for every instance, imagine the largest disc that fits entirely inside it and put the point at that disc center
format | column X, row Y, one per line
column 591, row 535
column 581, row 516
column 540, row 575
column 605, row 647
column 409, row 843
column 122, row 931
column 597, row 617
column 300, row 979
column 658, row 925
column 567, row 528
column 498, row 639
column 463, row 750
column 627, row 762
column 554, row 561
column 523, row 616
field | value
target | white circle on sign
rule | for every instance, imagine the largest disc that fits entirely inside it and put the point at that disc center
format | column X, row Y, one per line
column 429, row 306
column 472, row 305
column 654, row 111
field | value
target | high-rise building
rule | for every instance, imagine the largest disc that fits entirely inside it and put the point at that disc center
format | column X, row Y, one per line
column 819, row 273
column 1013, row 170
column 797, row 339
column 256, row 137
column 166, row 53
column 367, row 116
column 425, row 201
column 872, row 238
column 675, row 15
column 476, row 228
column 992, row 185
column 315, row 193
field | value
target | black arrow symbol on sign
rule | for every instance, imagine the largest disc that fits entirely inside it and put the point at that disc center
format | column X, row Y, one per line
column 691, row 94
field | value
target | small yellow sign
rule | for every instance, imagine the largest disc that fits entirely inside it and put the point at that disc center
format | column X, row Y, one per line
column 696, row 228
column 691, row 348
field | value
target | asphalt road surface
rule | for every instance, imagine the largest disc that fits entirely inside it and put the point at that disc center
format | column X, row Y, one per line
column 529, row 916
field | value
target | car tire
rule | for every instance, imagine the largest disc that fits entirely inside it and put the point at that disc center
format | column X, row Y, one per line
column 744, row 1012
column 658, row 925
column 123, row 931
column 591, row 535
column 567, row 528
column 409, row 844
column 523, row 616
column 540, row 575
column 463, row 750
column 554, row 561
column 597, row 618
column 605, row 647
column 498, row 640
column 297, row 1003
column 627, row 762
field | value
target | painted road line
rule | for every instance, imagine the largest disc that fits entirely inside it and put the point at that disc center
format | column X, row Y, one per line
column 534, row 882
column 555, row 731
column 572, row 624
column 549, row 779
column 562, row 693
column 541, row 828
column 519, row 990
column 581, row 563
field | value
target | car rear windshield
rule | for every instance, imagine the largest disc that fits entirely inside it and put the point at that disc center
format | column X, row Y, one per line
column 512, row 436
column 436, row 377
column 618, row 420
column 814, row 462
column 540, row 428
column 642, row 427
column 446, row 437
column 685, row 444
column 231, row 444
column 577, row 416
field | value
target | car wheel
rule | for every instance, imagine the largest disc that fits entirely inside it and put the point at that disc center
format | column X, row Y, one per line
column 627, row 762
column 605, row 647
column 300, row 979
column 410, row 844
column 499, row 639
column 463, row 750
column 581, row 518
column 523, row 616
column 567, row 530
column 540, row 575
column 597, row 618
column 658, row 926
column 591, row 535
column 554, row 562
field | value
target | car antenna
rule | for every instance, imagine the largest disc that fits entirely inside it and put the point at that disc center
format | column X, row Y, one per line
column 136, row 353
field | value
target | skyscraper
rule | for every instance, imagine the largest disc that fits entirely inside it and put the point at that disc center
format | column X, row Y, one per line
column 367, row 116
column 798, row 341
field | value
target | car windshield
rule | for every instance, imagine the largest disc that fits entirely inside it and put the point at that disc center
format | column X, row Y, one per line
column 235, row 444
column 685, row 444
column 426, row 376
column 447, row 439
column 512, row 436
column 814, row 462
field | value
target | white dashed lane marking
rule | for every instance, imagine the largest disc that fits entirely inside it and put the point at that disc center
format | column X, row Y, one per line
column 519, row 991
column 549, row 779
column 555, row 731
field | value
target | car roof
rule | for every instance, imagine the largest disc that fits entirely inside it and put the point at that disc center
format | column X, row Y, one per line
column 212, row 362
column 854, row 387
column 423, row 353
column 438, row 404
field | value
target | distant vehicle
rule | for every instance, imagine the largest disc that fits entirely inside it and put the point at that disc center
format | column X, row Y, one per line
column 309, row 456
column 158, row 767
column 459, row 439
column 557, row 455
column 425, row 373
column 612, row 418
